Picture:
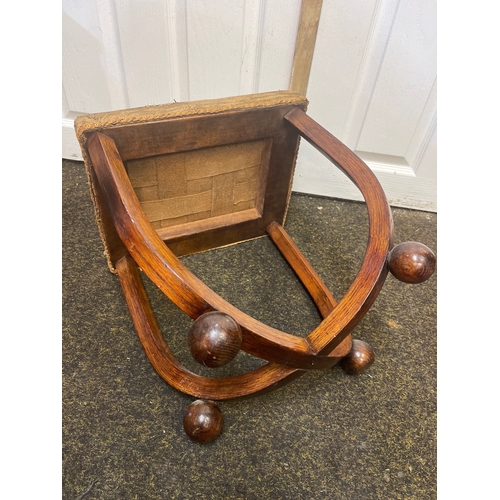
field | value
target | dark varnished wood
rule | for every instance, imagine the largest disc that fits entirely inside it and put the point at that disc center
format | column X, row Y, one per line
column 194, row 132
column 371, row 276
column 214, row 339
column 321, row 295
column 359, row 359
column 307, row 275
column 288, row 355
column 412, row 262
column 268, row 377
column 195, row 298
column 203, row 421
column 174, row 135
column 189, row 293
column 114, row 246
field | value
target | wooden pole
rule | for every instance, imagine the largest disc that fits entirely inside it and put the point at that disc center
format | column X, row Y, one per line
column 310, row 12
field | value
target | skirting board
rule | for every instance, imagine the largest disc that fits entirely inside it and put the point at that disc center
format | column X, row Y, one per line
column 70, row 147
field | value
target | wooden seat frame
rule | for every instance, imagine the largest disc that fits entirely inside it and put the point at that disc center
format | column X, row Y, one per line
column 109, row 140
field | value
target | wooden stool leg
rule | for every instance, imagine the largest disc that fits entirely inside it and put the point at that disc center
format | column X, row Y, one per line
column 359, row 359
column 203, row 421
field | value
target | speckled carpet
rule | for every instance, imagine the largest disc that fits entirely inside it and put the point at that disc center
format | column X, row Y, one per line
column 326, row 435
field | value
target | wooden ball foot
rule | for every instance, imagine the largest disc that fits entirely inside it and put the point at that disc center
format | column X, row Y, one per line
column 214, row 339
column 412, row 262
column 358, row 360
column 202, row 421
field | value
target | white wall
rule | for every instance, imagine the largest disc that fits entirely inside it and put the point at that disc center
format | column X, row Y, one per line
column 372, row 83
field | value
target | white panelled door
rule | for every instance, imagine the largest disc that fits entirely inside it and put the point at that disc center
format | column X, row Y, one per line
column 128, row 53
column 373, row 86
column 372, row 83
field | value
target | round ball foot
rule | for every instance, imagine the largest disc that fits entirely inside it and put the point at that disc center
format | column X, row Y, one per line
column 412, row 262
column 358, row 360
column 202, row 421
column 214, row 339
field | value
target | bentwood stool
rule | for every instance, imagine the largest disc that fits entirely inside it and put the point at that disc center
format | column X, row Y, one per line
column 176, row 179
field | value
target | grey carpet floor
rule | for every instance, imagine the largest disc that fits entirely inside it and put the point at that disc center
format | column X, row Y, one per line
column 326, row 435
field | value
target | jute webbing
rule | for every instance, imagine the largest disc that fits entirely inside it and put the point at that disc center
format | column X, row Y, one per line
column 244, row 184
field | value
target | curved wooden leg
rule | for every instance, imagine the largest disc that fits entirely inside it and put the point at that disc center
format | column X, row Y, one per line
column 265, row 378
column 359, row 359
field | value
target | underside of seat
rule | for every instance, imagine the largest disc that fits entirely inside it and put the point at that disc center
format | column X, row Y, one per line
column 202, row 167
column 177, row 179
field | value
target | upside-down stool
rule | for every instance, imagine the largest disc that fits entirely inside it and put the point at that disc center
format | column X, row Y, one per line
column 181, row 178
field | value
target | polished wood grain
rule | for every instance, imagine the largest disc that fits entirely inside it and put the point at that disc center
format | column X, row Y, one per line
column 113, row 245
column 270, row 376
column 176, row 281
column 203, row 421
column 287, row 355
column 214, row 339
column 412, row 262
column 359, row 359
column 371, row 276
column 195, row 298
column 305, row 272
